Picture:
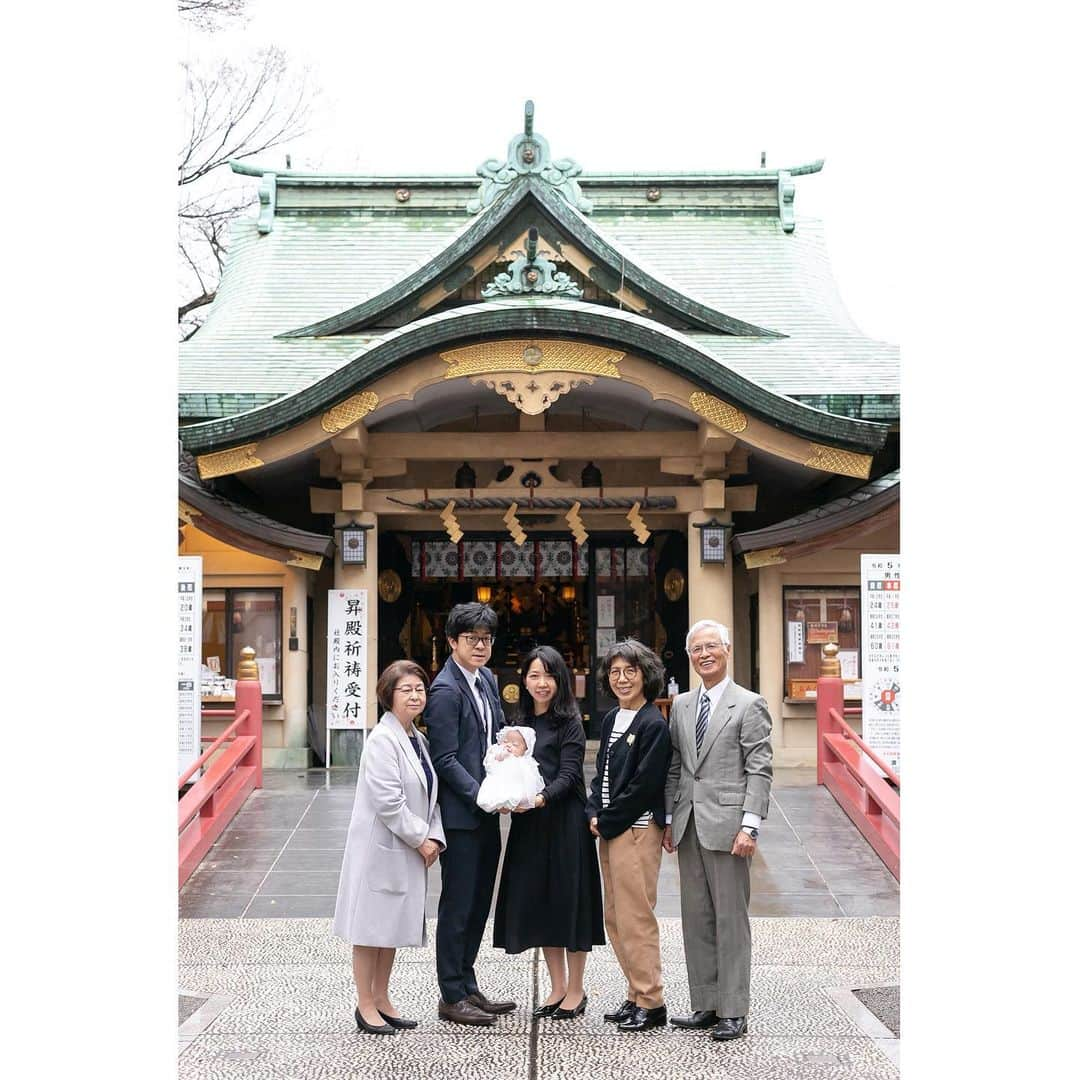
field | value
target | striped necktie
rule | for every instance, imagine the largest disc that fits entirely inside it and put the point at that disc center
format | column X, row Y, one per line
column 702, row 718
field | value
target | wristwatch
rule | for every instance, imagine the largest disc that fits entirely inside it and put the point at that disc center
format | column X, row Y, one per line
column 750, row 831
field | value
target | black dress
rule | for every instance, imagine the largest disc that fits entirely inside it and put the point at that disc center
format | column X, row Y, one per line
column 549, row 892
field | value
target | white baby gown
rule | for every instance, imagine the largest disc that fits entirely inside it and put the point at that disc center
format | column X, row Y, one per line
column 510, row 781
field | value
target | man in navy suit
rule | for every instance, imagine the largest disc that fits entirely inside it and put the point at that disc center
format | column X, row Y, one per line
column 463, row 714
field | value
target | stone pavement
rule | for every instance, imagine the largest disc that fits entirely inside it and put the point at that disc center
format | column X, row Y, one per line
column 272, row 987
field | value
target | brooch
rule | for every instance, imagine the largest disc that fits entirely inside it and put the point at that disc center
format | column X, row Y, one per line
column 630, row 740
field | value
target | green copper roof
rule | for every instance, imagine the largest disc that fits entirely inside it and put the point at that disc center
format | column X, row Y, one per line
column 562, row 318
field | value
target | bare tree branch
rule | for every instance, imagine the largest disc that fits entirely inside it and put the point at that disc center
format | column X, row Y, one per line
column 230, row 112
column 207, row 14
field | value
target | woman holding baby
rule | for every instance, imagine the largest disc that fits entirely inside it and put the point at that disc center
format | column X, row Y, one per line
column 549, row 893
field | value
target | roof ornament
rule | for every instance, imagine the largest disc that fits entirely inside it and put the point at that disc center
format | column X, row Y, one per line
column 528, row 153
column 530, row 272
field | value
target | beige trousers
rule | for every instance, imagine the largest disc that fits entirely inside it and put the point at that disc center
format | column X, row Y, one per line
column 630, row 866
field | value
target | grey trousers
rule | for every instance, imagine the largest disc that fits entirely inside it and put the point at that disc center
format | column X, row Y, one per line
column 715, row 902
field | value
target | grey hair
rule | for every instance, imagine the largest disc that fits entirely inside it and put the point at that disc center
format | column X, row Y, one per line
column 701, row 624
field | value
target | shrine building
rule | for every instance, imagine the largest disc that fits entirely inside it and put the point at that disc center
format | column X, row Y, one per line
column 654, row 370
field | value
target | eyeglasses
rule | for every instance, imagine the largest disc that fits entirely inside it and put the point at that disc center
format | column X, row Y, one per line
column 410, row 690
column 472, row 640
column 622, row 672
column 707, row 647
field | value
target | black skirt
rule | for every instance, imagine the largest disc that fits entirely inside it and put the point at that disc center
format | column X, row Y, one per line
column 549, row 890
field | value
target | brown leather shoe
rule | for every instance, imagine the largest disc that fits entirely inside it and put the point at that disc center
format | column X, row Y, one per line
column 495, row 1008
column 464, row 1012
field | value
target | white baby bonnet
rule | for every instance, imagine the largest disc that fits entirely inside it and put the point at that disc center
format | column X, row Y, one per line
column 527, row 733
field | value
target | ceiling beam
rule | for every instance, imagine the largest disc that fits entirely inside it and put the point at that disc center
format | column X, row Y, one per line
column 497, row 445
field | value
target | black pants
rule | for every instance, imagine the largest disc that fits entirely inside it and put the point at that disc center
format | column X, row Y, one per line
column 468, row 867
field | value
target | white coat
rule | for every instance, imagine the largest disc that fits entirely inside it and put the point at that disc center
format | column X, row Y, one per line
column 383, row 886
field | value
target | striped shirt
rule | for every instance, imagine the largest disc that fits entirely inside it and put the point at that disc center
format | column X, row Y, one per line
column 623, row 719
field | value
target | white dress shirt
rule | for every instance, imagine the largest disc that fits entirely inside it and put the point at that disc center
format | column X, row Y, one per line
column 473, row 679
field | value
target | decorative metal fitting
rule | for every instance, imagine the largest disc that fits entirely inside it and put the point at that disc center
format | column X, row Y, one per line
column 403, row 194
column 653, row 194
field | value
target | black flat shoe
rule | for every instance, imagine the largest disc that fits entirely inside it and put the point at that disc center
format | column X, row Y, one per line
column 570, row 1014
column 703, row 1018
column 373, row 1029
column 729, row 1027
column 399, row 1022
column 645, row 1019
column 542, row 1011
column 620, row 1014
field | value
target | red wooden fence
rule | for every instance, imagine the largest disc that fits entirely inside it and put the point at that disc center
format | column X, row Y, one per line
column 843, row 766
column 213, row 800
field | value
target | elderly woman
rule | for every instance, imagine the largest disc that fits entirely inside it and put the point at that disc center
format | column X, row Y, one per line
column 626, row 811
column 395, row 834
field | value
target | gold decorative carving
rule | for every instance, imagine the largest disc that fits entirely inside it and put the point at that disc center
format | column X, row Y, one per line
column 674, row 584
column 511, row 692
column 188, row 513
column 348, row 412
column 496, row 357
column 305, row 559
column 537, row 393
column 225, row 462
column 247, row 668
column 389, row 586
column 718, row 412
column 844, row 462
column 764, row 557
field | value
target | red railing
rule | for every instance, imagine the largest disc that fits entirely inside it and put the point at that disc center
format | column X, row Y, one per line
column 844, row 767
column 230, row 778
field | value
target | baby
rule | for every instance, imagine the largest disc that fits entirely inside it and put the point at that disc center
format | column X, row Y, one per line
column 513, row 778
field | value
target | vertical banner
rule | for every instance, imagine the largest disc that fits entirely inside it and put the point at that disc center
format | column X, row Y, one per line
column 346, row 659
column 881, row 656
column 189, row 641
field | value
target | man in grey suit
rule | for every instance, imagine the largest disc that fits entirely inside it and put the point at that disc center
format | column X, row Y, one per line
column 716, row 796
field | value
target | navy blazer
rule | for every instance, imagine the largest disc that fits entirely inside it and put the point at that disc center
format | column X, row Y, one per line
column 455, row 732
column 638, row 771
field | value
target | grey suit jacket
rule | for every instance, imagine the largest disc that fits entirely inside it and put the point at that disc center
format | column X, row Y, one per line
column 732, row 773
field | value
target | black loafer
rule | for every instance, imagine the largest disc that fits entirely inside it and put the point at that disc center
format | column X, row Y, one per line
column 570, row 1014
column 542, row 1011
column 703, row 1018
column 399, row 1022
column 645, row 1019
column 729, row 1027
column 620, row 1014
column 373, row 1029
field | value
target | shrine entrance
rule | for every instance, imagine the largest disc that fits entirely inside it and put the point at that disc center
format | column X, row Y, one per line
column 577, row 598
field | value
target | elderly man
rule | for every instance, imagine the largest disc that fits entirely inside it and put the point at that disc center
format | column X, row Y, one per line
column 716, row 796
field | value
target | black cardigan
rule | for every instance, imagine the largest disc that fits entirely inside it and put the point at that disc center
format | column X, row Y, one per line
column 638, row 771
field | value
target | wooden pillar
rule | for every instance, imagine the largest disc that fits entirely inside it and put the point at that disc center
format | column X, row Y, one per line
column 710, row 589
column 771, row 647
column 294, row 672
column 346, row 746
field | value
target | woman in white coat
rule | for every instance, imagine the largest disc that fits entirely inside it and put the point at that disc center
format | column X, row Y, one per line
column 394, row 836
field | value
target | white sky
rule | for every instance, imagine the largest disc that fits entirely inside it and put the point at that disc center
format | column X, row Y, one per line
column 418, row 88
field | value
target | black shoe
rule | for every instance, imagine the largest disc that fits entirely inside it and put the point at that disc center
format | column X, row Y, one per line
column 644, row 1019
column 372, row 1029
column 398, row 1022
column 570, row 1014
column 729, row 1027
column 464, row 1012
column 546, row 1010
column 622, row 1013
column 703, row 1018
column 495, row 1008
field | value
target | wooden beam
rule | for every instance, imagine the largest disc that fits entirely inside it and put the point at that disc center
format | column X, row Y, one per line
column 324, row 500
column 498, row 445
column 741, row 498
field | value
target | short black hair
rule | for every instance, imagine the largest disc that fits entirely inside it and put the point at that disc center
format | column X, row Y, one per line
column 471, row 616
column 643, row 658
column 564, row 705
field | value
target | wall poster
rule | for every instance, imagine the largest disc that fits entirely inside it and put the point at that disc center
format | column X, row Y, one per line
column 881, row 656
column 189, row 641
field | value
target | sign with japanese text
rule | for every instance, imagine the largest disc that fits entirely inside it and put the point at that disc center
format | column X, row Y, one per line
column 346, row 658
column 189, row 640
column 821, row 633
column 881, row 656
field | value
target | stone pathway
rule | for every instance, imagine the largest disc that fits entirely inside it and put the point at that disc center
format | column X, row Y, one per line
column 290, row 998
